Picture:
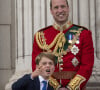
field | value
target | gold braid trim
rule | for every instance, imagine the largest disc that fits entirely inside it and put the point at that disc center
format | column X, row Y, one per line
column 45, row 46
column 54, row 83
column 60, row 43
column 40, row 38
column 76, row 82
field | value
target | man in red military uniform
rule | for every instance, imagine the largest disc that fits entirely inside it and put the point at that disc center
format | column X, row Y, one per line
column 72, row 45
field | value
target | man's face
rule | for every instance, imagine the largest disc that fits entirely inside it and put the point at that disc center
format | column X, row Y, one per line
column 60, row 11
column 47, row 67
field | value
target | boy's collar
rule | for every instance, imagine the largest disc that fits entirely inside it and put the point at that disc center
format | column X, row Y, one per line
column 42, row 79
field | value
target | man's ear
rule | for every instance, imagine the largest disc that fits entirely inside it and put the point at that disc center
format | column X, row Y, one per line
column 51, row 10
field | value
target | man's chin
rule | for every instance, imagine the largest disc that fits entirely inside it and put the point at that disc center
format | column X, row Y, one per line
column 61, row 21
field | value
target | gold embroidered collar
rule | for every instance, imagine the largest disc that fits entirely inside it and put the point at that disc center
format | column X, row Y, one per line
column 62, row 27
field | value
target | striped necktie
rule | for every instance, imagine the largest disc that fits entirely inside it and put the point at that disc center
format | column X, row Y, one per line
column 44, row 85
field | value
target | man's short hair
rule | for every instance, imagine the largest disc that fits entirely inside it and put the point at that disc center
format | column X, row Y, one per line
column 51, row 3
column 47, row 55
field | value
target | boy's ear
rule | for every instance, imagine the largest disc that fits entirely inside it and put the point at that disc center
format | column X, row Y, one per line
column 54, row 68
column 37, row 66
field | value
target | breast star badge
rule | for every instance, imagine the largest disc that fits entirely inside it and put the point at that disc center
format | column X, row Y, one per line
column 75, row 62
column 74, row 49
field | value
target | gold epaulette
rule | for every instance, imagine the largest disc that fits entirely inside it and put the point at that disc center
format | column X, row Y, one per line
column 76, row 82
column 54, row 83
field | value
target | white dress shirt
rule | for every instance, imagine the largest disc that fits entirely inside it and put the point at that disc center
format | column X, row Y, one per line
column 41, row 84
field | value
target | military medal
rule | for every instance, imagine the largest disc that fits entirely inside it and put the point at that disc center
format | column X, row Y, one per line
column 70, row 37
column 74, row 49
column 77, row 41
column 75, row 62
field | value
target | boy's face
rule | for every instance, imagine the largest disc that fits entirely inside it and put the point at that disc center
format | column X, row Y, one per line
column 47, row 67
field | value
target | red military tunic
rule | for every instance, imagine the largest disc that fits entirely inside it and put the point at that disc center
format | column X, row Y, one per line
column 84, row 55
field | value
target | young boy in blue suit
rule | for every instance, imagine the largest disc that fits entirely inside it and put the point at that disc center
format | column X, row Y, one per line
column 45, row 66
